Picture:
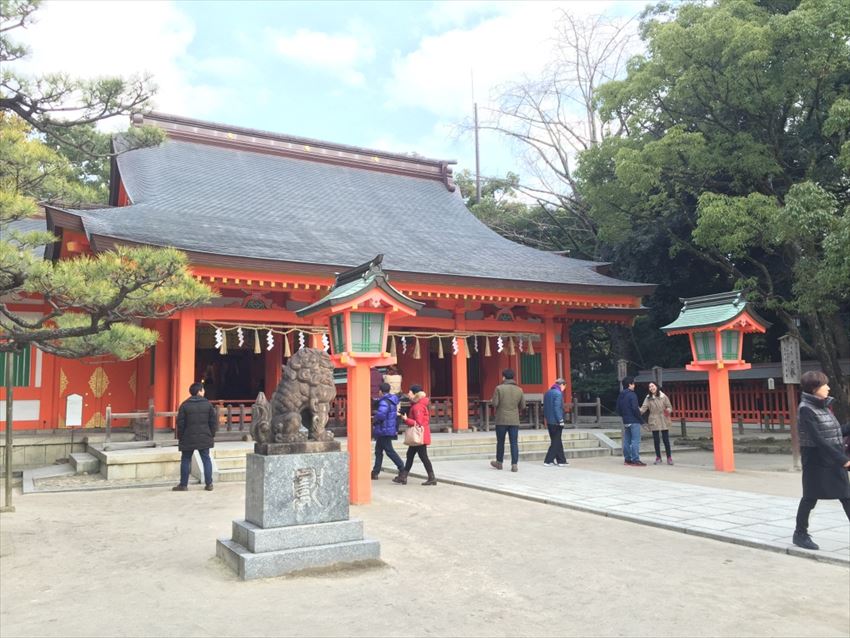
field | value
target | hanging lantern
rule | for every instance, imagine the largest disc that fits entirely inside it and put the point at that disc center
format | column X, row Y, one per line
column 240, row 336
column 468, row 351
column 440, row 354
column 416, row 353
column 454, row 346
column 500, row 344
column 393, row 347
column 287, row 352
column 487, row 347
column 269, row 340
column 530, row 347
column 511, row 348
column 257, row 342
column 301, row 340
column 403, row 345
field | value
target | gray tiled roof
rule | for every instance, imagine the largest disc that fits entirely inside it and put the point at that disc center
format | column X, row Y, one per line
column 28, row 225
column 226, row 201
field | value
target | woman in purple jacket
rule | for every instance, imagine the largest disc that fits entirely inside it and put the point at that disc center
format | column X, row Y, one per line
column 385, row 427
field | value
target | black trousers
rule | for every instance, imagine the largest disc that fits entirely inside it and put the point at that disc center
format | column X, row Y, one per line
column 665, row 434
column 556, row 445
column 807, row 505
column 422, row 451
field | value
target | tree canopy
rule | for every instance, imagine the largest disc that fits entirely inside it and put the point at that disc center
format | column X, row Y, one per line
column 734, row 155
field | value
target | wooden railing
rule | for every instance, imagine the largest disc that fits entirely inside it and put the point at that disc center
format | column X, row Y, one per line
column 751, row 402
column 143, row 428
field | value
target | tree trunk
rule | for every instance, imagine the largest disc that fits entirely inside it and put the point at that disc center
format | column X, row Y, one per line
column 827, row 354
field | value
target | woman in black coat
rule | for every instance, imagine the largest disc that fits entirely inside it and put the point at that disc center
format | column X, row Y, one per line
column 825, row 464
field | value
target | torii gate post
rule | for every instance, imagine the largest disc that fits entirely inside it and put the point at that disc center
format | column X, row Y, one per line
column 715, row 325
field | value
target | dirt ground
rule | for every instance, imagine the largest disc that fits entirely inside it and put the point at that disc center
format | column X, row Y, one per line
column 458, row 562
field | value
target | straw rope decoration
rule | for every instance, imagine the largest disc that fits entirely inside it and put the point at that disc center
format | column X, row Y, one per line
column 319, row 335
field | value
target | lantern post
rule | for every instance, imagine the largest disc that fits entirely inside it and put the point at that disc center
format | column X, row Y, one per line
column 716, row 325
column 358, row 310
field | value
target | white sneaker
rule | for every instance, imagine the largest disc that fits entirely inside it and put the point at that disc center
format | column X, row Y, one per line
column 549, row 464
column 564, row 464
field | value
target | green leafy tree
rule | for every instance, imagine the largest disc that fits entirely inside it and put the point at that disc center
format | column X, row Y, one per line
column 734, row 155
column 92, row 304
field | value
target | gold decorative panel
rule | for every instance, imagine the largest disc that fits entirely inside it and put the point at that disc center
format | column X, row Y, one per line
column 96, row 421
column 98, row 382
column 132, row 382
column 63, row 382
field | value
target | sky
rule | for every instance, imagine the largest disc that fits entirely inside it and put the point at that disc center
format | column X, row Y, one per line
column 393, row 76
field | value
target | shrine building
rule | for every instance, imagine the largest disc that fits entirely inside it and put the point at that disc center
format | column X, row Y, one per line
column 266, row 220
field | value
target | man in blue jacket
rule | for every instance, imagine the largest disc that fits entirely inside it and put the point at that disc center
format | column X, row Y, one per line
column 553, row 413
column 627, row 407
column 385, row 424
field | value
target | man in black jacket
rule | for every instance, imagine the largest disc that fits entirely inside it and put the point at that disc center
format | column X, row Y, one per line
column 627, row 407
column 197, row 422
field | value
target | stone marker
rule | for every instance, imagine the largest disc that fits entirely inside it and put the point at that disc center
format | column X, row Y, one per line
column 296, row 490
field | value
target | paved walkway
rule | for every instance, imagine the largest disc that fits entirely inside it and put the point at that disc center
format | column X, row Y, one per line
column 745, row 518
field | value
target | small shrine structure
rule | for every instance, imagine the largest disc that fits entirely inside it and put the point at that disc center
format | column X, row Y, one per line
column 716, row 325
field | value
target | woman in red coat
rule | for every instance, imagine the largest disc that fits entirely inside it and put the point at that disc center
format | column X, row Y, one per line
column 419, row 415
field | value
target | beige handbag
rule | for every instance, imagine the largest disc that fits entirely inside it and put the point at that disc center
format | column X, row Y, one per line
column 414, row 435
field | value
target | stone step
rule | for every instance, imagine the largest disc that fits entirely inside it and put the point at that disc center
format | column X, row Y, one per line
column 84, row 462
column 536, row 455
column 232, row 475
column 230, row 462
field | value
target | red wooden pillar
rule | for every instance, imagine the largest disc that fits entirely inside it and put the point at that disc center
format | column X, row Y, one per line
column 162, row 380
column 359, row 422
column 550, row 369
column 185, row 346
column 568, row 377
column 460, row 385
column 721, row 419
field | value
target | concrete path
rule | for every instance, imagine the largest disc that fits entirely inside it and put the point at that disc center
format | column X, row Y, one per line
column 745, row 518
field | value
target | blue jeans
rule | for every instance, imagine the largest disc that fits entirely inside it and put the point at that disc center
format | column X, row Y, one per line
column 385, row 444
column 186, row 466
column 513, row 434
column 631, row 442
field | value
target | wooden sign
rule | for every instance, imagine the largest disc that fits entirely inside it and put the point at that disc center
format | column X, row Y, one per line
column 790, row 349
column 74, row 411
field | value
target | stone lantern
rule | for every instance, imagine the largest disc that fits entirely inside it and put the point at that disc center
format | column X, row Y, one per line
column 358, row 310
column 716, row 325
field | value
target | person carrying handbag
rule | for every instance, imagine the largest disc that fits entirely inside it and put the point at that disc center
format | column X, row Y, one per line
column 418, row 435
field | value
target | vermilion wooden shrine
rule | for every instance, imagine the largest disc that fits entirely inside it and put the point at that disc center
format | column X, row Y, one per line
column 267, row 221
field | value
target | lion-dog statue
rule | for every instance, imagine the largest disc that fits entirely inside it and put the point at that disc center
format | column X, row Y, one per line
column 301, row 403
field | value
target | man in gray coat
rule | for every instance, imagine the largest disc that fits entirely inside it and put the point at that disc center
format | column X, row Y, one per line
column 508, row 400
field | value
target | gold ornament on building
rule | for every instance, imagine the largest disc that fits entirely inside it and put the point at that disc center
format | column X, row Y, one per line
column 63, row 382
column 98, row 382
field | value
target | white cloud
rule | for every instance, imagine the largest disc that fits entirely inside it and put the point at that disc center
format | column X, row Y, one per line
column 91, row 39
column 336, row 54
column 503, row 48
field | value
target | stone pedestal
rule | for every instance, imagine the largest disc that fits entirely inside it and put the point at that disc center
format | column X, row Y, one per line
column 296, row 517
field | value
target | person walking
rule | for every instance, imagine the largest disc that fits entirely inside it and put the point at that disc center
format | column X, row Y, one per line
column 825, row 461
column 197, row 423
column 508, row 400
column 627, row 407
column 419, row 415
column 553, row 413
column 659, row 407
column 385, row 424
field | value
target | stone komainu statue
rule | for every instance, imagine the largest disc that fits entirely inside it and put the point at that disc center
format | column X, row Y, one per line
column 300, row 404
